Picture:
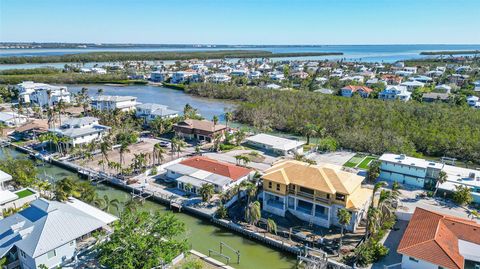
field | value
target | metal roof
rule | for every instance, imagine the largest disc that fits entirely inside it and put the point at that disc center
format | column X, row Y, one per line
column 46, row 225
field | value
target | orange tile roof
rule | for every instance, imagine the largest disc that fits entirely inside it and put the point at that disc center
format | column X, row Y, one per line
column 220, row 168
column 433, row 237
column 354, row 88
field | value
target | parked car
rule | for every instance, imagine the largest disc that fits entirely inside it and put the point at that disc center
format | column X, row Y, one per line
column 165, row 144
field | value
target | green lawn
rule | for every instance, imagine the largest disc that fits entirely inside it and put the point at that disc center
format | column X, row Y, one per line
column 354, row 161
column 364, row 164
column 24, row 193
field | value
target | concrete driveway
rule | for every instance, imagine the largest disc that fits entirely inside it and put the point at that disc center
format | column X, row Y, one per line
column 230, row 158
column 391, row 242
column 337, row 157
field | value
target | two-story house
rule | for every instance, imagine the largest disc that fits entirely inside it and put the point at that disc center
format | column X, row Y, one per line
column 408, row 170
column 81, row 130
column 112, row 102
column 395, row 92
column 50, row 233
column 434, row 240
column 314, row 193
column 41, row 94
column 201, row 130
column 349, row 90
column 150, row 111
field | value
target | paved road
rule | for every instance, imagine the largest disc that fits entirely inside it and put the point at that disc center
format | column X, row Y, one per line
column 392, row 242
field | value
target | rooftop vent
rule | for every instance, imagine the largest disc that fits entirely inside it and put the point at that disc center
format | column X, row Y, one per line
column 402, row 157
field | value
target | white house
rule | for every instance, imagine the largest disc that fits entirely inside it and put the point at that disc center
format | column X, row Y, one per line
column 12, row 119
column 182, row 76
column 434, row 240
column 50, row 233
column 14, row 199
column 476, row 85
column 151, row 111
column 81, row 130
column 395, row 92
column 158, row 76
column 443, row 88
column 42, row 94
column 473, row 101
column 275, row 144
column 412, row 84
column 219, row 78
column 112, row 102
column 191, row 174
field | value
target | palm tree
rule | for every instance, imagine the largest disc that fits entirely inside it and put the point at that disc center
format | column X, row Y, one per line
column 271, row 226
column 217, row 138
column 228, row 118
column 344, row 218
column 253, row 213
column 177, row 145
column 61, row 108
column 376, row 187
column 123, row 149
column 442, row 178
column 239, row 136
column 157, row 153
column 372, row 210
column 309, row 130
column 106, row 203
column 215, row 121
column 99, row 91
column 206, row 191
column 222, row 211
column 66, row 188
column 131, row 205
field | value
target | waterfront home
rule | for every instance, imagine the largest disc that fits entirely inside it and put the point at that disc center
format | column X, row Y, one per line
column 408, row 170
column 184, row 76
column 149, row 112
column 358, row 79
column 412, row 85
column 43, row 95
column 158, row 76
column 13, row 199
column 219, row 78
column 276, row 145
column 201, row 130
column 191, row 174
column 435, row 240
column 112, row 102
column 81, row 131
column 12, row 119
column 349, row 90
column 314, row 193
column 276, row 76
column 272, row 86
column 395, row 92
column 50, row 233
column 435, row 96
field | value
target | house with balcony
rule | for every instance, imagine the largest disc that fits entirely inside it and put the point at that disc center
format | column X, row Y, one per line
column 50, row 233
column 112, row 102
column 81, row 131
column 395, row 92
column 434, row 240
column 314, row 193
column 201, row 130
column 149, row 112
column 41, row 94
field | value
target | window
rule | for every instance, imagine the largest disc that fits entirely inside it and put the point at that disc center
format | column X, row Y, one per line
column 340, row 197
column 307, row 190
column 412, row 259
column 23, row 254
column 328, row 196
column 278, row 187
column 51, row 254
column 441, row 267
column 269, row 185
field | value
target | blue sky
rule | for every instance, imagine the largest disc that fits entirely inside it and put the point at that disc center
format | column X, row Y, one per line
column 242, row 21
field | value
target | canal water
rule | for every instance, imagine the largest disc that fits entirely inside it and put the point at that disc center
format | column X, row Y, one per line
column 201, row 233
column 174, row 99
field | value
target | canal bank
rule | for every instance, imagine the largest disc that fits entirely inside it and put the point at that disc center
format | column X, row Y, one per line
column 202, row 235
